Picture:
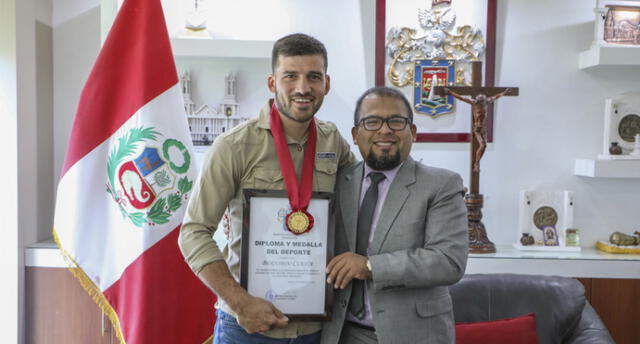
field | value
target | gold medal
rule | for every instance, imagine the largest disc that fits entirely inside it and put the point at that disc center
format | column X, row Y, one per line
column 299, row 221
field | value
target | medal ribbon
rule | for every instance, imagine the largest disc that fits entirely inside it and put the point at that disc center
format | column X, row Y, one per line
column 299, row 193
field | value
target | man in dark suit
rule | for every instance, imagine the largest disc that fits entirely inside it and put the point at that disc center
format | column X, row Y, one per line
column 401, row 235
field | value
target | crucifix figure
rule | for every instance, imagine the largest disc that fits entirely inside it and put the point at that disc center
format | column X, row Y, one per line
column 479, row 105
column 479, row 98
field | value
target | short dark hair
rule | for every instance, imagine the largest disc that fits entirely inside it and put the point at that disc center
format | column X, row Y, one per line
column 297, row 44
column 382, row 91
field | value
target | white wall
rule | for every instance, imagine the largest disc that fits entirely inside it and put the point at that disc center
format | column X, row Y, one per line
column 44, row 122
column 10, row 247
column 27, row 119
column 557, row 117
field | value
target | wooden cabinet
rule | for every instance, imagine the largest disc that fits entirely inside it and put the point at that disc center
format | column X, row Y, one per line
column 617, row 302
column 58, row 310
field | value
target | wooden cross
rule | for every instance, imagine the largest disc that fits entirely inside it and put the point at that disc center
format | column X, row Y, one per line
column 478, row 114
column 479, row 98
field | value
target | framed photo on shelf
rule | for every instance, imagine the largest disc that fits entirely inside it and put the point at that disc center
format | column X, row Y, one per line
column 397, row 30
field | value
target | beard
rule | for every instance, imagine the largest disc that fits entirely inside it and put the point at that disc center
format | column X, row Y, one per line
column 385, row 162
column 286, row 111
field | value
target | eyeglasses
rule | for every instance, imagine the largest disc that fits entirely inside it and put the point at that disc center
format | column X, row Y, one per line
column 373, row 123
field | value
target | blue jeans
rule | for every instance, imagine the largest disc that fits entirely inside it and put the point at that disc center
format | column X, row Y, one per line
column 227, row 331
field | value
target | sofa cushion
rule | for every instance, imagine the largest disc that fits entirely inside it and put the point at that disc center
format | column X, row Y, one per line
column 520, row 330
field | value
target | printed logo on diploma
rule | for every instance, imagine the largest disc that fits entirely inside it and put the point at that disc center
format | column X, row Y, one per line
column 429, row 73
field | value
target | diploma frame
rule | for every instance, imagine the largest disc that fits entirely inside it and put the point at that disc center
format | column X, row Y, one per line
column 280, row 196
column 489, row 70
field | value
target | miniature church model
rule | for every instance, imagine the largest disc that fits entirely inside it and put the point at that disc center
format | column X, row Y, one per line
column 189, row 105
column 208, row 122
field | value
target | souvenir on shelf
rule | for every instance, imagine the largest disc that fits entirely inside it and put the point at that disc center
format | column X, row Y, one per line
column 622, row 128
column 572, row 237
column 208, row 122
column 196, row 22
column 546, row 221
column 621, row 243
column 617, row 23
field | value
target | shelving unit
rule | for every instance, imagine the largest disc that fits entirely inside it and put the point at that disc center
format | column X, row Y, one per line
column 595, row 168
column 600, row 55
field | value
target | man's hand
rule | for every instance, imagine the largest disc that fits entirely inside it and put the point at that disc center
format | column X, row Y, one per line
column 345, row 267
column 253, row 314
column 258, row 315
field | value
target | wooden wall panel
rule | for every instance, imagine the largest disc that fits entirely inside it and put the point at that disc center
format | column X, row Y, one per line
column 617, row 301
column 58, row 310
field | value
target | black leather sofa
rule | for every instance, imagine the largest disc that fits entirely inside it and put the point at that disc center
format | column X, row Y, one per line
column 563, row 315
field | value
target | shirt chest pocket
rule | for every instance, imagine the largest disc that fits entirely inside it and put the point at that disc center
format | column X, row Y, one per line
column 266, row 178
column 325, row 176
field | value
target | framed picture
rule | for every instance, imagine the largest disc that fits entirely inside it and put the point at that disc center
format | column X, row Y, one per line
column 621, row 125
column 447, row 126
column 545, row 215
column 284, row 268
column 617, row 23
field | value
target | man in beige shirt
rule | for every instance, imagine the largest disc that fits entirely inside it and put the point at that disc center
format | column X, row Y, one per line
column 246, row 157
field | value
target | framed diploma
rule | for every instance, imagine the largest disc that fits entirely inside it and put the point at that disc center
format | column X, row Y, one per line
column 282, row 267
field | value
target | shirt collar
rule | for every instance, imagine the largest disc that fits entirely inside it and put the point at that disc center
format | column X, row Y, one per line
column 263, row 122
column 390, row 175
column 263, row 118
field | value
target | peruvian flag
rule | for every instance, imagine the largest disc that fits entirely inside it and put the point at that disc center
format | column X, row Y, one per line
column 126, row 180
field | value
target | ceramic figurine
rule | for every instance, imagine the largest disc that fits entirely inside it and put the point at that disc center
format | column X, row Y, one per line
column 196, row 19
column 622, row 239
column 572, row 237
column 614, row 149
column 526, row 239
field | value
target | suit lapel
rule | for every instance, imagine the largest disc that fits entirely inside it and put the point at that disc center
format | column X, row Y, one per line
column 350, row 201
column 396, row 197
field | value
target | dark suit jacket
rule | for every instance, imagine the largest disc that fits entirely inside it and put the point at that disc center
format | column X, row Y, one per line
column 419, row 247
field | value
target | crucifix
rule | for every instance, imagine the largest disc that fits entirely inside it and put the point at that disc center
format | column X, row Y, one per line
column 479, row 98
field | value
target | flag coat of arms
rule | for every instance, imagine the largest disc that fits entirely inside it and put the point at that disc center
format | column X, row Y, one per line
column 125, row 182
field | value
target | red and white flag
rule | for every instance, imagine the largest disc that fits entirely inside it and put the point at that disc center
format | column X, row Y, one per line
column 126, row 180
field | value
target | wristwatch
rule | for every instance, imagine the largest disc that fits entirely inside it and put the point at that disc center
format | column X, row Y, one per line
column 368, row 265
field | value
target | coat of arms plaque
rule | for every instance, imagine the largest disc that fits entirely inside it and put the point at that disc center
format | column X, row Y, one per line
column 427, row 74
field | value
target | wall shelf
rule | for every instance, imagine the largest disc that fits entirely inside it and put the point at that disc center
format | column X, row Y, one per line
column 607, row 168
column 209, row 47
column 599, row 55
column 590, row 263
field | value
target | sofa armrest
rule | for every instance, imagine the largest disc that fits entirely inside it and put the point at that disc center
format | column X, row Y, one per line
column 590, row 329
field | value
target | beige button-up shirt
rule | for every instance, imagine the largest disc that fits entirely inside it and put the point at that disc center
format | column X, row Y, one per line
column 245, row 157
